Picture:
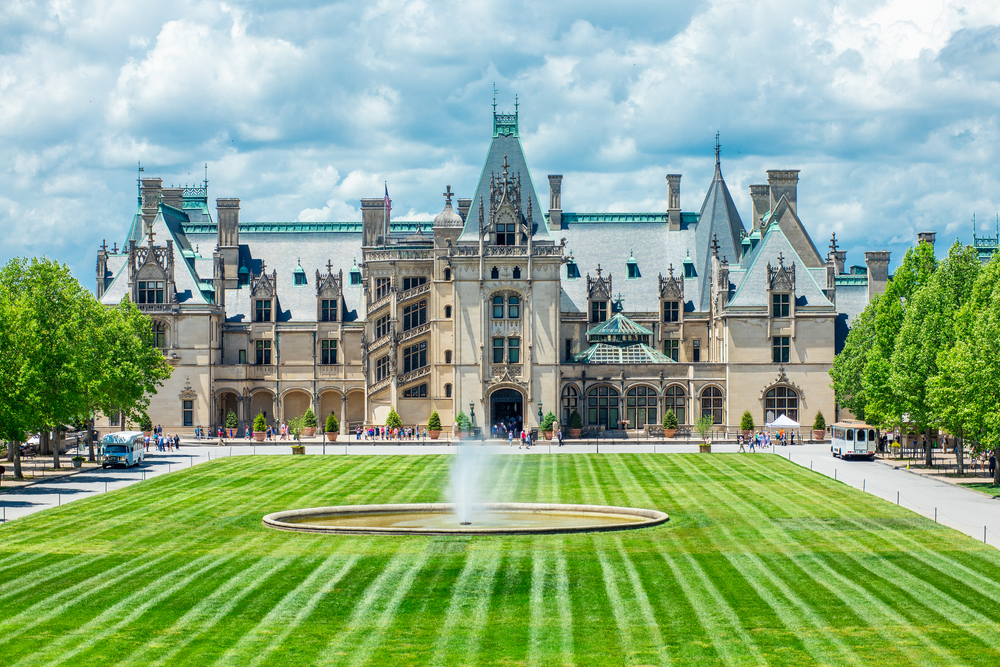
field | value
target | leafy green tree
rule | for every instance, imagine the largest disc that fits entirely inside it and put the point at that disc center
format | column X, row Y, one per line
column 232, row 421
column 393, row 420
column 145, row 423
column 332, row 424
column 746, row 421
column 434, row 423
column 704, row 426
column 848, row 366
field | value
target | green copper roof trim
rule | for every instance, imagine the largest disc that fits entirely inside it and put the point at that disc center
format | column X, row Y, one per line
column 619, row 325
column 848, row 279
column 287, row 227
column 604, row 218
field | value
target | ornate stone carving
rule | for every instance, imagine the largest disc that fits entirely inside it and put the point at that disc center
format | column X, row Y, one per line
column 262, row 284
column 671, row 287
column 329, row 285
column 599, row 288
column 781, row 278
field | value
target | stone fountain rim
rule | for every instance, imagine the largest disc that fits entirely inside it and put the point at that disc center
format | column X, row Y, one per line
column 277, row 520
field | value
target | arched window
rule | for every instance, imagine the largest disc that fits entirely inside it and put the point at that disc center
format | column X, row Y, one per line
column 569, row 403
column 711, row 404
column 447, row 391
column 447, row 356
column 447, row 312
column 641, row 406
column 447, row 274
column 495, row 273
column 673, row 400
column 781, row 401
column 517, row 273
column 159, row 334
column 602, row 407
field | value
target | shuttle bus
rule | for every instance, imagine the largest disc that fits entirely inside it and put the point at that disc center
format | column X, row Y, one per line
column 853, row 440
column 125, row 448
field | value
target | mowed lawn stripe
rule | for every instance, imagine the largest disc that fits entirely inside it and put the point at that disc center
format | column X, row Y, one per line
column 806, row 623
column 460, row 635
column 887, row 619
column 505, row 638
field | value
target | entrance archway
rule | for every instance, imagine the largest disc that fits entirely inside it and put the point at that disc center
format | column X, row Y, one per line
column 227, row 403
column 507, row 405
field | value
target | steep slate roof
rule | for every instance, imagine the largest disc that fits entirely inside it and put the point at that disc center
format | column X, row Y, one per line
column 510, row 146
column 751, row 290
column 719, row 219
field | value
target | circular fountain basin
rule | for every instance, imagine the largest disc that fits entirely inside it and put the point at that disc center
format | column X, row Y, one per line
column 487, row 519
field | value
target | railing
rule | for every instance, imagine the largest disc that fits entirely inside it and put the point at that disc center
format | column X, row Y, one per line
column 381, row 303
column 379, row 343
column 413, row 292
column 414, row 332
column 506, row 251
column 158, row 307
column 464, row 251
column 406, row 378
column 380, row 385
column 546, row 250
column 261, row 372
column 376, row 255
column 499, row 370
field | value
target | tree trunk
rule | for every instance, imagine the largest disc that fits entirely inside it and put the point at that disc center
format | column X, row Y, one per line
column 10, row 451
column 17, row 460
column 929, row 450
column 55, row 450
column 960, row 454
column 996, row 468
column 90, row 441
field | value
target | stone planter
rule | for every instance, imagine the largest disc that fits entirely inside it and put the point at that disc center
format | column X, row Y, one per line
column 434, row 434
column 77, row 464
column 331, row 436
column 819, row 435
column 298, row 449
column 308, row 431
column 669, row 432
column 705, row 448
column 574, row 433
column 547, row 434
column 259, row 435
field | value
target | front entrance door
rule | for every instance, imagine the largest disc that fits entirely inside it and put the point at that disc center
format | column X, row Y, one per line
column 506, row 406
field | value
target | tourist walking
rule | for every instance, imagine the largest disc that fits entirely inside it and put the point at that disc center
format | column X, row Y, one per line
column 559, row 437
column 742, row 442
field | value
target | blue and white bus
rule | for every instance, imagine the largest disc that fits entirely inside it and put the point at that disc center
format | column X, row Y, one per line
column 125, row 448
column 853, row 440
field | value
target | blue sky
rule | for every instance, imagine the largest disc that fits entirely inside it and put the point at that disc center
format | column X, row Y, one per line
column 889, row 109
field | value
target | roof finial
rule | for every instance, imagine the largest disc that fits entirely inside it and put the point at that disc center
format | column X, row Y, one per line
column 598, row 270
column 329, row 266
column 448, row 194
column 516, row 103
column 781, row 259
column 973, row 225
column 138, row 180
column 717, row 147
column 494, row 98
column 833, row 243
column 671, row 269
column 206, row 179
column 715, row 245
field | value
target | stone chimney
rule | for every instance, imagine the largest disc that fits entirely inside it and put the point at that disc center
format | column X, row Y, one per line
column 926, row 237
column 173, row 197
column 674, row 201
column 372, row 221
column 151, row 190
column 878, row 271
column 228, row 225
column 463, row 206
column 761, row 197
column 783, row 182
column 102, row 269
column 555, row 201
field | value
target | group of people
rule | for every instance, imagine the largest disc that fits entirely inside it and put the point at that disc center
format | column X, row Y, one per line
column 163, row 443
column 388, row 433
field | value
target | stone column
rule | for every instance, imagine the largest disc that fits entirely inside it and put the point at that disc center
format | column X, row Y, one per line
column 343, row 414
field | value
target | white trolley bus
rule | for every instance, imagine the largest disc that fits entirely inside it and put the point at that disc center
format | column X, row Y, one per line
column 853, row 440
column 125, row 448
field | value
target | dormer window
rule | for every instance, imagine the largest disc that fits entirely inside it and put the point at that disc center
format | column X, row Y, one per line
column 355, row 274
column 633, row 268
column 671, row 311
column 150, row 291
column 262, row 310
column 328, row 310
column 599, row 311
column 244, row 275
column 300, row 274
column 506, row 234
column 572, row 270
column 780, row 305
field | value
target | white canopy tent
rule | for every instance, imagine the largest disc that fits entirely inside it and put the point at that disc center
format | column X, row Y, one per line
column 783, row 422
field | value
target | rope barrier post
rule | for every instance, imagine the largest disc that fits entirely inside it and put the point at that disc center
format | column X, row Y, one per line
column 935, row 515
column 864, row 483
column 105, row 487
column 897, row 497
column 810, row 465
column 835, row 474
column 984, row 534
column 59, row 503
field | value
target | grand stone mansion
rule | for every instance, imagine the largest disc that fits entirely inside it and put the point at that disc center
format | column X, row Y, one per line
column 496, row 307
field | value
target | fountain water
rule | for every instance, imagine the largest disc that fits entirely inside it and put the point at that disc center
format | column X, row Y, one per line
column 467, row 477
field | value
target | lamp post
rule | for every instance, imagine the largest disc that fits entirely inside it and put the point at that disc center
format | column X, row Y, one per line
column 539, row 412
column 472, row 413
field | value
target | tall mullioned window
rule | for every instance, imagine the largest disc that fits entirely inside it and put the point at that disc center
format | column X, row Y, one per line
column 159, row 335
column 513, row 350
column 187, row 410
column 414, row 315
column 670, row 348
column 410, row 283
column 711, row 404
column 498, row 350
column 780, row 346
column 381, row 327
column 507, row 234
column 382, row 287
column 599, row 311
column 263, row 349
column 513, row 307
column 673, row 399
column 262, row 310
column 329, row 352
column 382, row 368
column 329, row 310
column 671, row 311
column 150, row 291
column 414, row 357
column 780, row 305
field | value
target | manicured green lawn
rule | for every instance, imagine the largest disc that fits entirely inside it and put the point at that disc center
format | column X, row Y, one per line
column 984, row 487
column 763, row 562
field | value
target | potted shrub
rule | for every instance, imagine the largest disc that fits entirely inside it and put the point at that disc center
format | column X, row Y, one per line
column 546, row 425
column 704, row 428
column 78, row 461
column 434, row 425
column 393, row 420
column 462, row 425
column 332, row 427
column 145, row 424
column 819, row 427
column 309, row 423
column 575, row 424
column 746, row 424
column 669, row 424
column 259, row 427
column 232, row 421
column 296, row 427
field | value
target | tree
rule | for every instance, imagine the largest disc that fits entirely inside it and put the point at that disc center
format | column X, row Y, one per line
column 848, row 366
column 746, row 421
column 575, row 420
column 547, row 422
column 704, row 426
column 145, row 423
column 232, row 421
column 259, row 423
column 332, row 425
column 669, row 420
column 434, row 423
column 393, row 420
column 462, row 422
column 819, row 423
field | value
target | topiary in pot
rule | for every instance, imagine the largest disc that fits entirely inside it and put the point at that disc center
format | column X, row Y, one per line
column 434, row 425
column 332, row 427
column 309, row 423
column 546, row 425
column 575, row 424
column 259, row 427
column 746, row 423
column 819, row 426
column 232, row 421
column 669, row 424
column 393, row 420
